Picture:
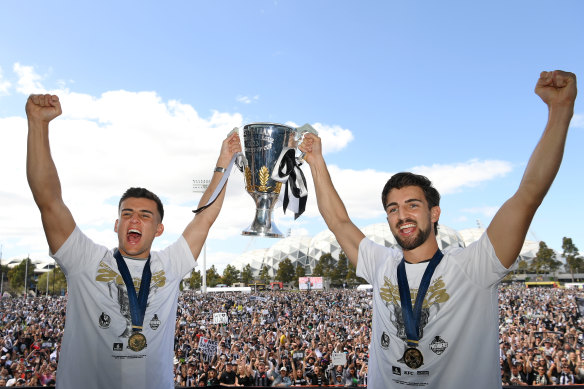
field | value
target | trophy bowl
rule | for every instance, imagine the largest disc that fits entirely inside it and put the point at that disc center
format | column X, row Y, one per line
column 263, row 144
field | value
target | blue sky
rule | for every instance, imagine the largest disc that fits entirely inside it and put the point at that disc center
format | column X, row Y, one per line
column 150, row 89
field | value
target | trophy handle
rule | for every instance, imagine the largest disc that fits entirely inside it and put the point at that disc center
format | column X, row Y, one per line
column 300, row 132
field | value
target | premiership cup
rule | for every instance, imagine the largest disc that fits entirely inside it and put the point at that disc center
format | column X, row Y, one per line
column 263, row 145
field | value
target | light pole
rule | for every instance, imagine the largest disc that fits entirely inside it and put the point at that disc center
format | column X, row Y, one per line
column 200, row 186
column 26, row 276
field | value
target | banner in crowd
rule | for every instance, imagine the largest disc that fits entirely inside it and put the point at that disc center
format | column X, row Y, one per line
column 220, row 318
column 306, row 283
column 258, row 298
column 339, row 359
column 208, row 347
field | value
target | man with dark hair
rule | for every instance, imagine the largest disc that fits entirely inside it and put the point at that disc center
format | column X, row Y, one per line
column 122, row 303
column 433, row 310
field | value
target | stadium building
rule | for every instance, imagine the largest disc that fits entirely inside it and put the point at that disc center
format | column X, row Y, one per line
column 306, row 251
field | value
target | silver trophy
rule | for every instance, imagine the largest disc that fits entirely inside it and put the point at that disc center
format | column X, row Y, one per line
column 263, row 145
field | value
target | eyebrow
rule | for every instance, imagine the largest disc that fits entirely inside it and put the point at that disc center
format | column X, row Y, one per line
column 407, row 201
column 142, row 210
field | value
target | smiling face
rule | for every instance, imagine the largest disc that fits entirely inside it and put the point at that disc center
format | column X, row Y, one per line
column 138, row 224
column 409, row 217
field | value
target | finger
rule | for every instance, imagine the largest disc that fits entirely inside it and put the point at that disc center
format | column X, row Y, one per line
column 54, row 100
column 545, row 79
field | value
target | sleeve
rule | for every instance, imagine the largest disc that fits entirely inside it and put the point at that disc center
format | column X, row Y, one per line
column 178, row 258
column 480, row 263
column 371, row 257
column 78, row 253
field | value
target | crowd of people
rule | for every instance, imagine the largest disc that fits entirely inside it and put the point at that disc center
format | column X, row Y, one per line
column 291, row 338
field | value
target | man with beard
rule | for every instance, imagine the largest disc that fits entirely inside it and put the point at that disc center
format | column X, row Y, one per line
column 448, row 301
column 122, row 303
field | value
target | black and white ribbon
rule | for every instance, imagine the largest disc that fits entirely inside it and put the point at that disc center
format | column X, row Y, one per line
column 288, row 170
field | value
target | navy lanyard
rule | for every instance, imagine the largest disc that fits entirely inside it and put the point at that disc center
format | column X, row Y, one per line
column 412, row 316
column 137, row 303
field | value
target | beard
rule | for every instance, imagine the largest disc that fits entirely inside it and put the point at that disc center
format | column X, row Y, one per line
column 413, row 242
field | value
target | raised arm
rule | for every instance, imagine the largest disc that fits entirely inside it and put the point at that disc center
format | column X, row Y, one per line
column 41, row 172
column 509, row 227
column 197, row 230
column 330, row 205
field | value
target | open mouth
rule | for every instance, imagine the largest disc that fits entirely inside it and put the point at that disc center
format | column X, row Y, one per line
column 407, row 228
column 134, row 236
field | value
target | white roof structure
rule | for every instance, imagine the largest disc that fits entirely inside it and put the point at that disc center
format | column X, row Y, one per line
column 306, row 250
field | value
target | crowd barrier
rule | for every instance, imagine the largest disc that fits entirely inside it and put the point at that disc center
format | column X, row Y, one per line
column 329, row 386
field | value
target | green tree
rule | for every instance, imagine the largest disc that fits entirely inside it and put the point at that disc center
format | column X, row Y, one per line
column 247, row 274
column 522, row 266
column 545, row 260
column 230, row 275
column 324, row 266
column 195, row 280
column 265, row 274
column 213, row 277
column 340, row 271
column 352, row 278
column 16, row 275
column 285, row 271
column 574, row 262
column 300, row 271
column 56, row 282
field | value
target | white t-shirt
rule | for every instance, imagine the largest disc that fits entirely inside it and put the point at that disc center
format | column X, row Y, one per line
column 95, row 351
column 459, row 334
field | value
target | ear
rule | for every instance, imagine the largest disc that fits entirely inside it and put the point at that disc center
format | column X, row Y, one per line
column 159, row 229
column 116, row 226
column 435, row 213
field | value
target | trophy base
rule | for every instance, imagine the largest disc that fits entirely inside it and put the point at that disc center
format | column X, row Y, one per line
column 271, row 232
column 262, row 224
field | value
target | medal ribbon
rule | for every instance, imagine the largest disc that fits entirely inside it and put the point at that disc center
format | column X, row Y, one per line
column 137, row 303
column 412, row 316
column 288, row 170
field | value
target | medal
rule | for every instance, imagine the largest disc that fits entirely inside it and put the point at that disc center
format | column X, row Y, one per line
column 413, row 358
column 137, row 342
column 138, row 303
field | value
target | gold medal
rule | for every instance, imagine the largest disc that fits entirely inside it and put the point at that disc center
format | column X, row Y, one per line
column 413, row 358
column 137, row 342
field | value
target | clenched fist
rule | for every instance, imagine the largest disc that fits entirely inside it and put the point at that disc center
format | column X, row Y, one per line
column 43, row 107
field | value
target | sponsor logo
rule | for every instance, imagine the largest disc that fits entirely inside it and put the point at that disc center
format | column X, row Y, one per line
column 384, row 340
column 104, row 320
column 438, row 345
column 118, row 347
column 424, row 372
column 155, row 323
column 396, row 370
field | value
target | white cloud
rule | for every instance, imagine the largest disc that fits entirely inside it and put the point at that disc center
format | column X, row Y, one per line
column 488, row 212
column 247, row 99
column 577, row 121
column 104, row 144
column 28, row 80
column 4, row 85
column 360, row 190
column 452, row 178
